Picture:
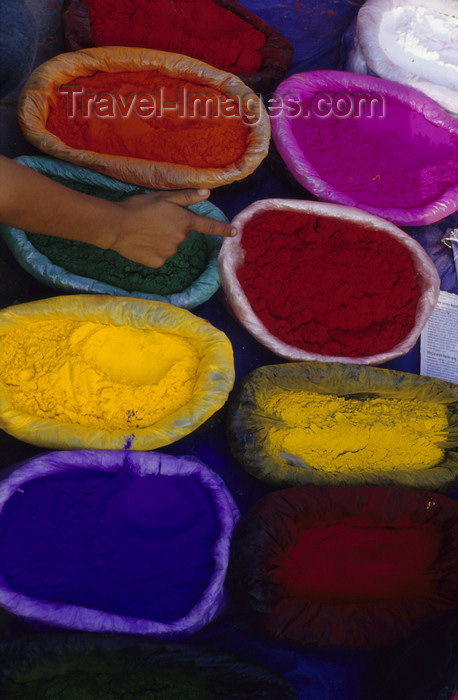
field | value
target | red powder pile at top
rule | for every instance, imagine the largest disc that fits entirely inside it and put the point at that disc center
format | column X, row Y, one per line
column 328, row 286
column 198, row 28
column 144, row 114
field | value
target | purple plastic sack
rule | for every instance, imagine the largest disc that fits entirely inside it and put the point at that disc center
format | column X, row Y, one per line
column 112, row 541
column 368, row 143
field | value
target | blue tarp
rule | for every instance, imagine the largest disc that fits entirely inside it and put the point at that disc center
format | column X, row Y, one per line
column 314, row 27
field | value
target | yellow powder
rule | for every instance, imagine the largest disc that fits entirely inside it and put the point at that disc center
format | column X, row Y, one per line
column 337, row 434
column 97, row 375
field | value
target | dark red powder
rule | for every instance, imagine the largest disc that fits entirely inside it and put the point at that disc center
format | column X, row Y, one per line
column 198, row 28
column 328, row 286
column 353, row 561
column 174, row 129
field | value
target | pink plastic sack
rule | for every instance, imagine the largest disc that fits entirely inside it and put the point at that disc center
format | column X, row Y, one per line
column 368, row 143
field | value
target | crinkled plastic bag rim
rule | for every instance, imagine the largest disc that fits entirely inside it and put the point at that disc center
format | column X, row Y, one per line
column 335, row 379
column 326, row 81
column 231, row 258
column 214, row 382
column 368, row 50
column 33, row 110
column 140, row 464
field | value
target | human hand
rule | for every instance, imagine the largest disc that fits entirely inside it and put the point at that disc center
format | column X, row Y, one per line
column 152, row 226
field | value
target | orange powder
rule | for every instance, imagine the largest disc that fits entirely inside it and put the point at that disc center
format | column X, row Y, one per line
column 144, row 114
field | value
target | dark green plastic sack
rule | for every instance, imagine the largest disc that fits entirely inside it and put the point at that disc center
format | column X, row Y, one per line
column 250, row 426
column 52, row 274
column 84, row 667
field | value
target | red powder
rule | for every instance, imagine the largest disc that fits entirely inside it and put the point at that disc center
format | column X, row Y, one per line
column 144, row 114
column 353, row 561
column 198, row 28
column 328, row 286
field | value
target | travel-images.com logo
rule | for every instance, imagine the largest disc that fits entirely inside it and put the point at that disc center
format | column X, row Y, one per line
column 190, row 104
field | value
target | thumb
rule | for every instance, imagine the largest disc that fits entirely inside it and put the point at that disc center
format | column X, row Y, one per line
column 186, row 197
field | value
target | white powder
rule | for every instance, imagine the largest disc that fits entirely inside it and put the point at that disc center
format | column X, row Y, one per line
column 422, row 40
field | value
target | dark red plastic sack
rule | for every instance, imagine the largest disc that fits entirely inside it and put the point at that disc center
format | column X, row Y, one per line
column 358, row 567
column 276, row 53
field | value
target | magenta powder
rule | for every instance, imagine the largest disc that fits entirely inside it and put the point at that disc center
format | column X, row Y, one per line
column 399, row 159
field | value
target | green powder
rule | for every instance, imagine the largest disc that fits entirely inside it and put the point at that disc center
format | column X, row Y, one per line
column 153, row 683
column 107, row 266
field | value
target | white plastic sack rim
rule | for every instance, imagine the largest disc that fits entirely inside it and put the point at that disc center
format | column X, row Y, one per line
column 381, row 60
column 232, row 256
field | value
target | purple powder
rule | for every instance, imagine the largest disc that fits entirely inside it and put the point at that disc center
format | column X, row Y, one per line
column 124, row 544
column 397, row 160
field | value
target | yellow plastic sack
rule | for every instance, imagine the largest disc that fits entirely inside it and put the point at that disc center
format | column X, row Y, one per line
column 335, row 424
column 39, row 399
column 41, row 90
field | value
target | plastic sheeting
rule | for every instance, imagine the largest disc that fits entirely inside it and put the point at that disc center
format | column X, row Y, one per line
column 214, row 381
column 304, row 570
column 53, row 275
column 333, row 172
column 314, row 27
column 410, row 42
column 43, row 85
column 424, row 667
column 190, row 502
column 249, row 423
column 276, row 52
column 231, row 257
column 434, row 240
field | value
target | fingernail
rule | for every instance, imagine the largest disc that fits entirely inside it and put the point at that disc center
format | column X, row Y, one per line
column 233, row 231
column 203, row 193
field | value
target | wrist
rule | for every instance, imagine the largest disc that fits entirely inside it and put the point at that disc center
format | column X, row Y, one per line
column 106, row 226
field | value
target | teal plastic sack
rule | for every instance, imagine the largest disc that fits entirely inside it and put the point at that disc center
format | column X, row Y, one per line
column 53, row 274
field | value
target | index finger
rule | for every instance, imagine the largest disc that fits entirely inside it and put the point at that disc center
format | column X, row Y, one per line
column 212, row 227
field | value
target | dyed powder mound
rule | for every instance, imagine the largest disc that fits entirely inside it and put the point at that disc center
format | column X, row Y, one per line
column 341, row 433
column 128, row 545
column 201, row 29
column 332, row 423
column 177, row 273
column 97, row 375
column 107, row 540
column 118, row 123
column 84, row 666
column 115, row 677
column 397, row 158
column 328, row 286
column 347, row 566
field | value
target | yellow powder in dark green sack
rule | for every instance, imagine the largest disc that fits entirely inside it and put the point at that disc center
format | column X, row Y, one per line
column 107, row 266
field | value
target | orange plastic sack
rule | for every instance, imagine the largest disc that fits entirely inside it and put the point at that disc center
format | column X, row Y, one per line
column 40, row 93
